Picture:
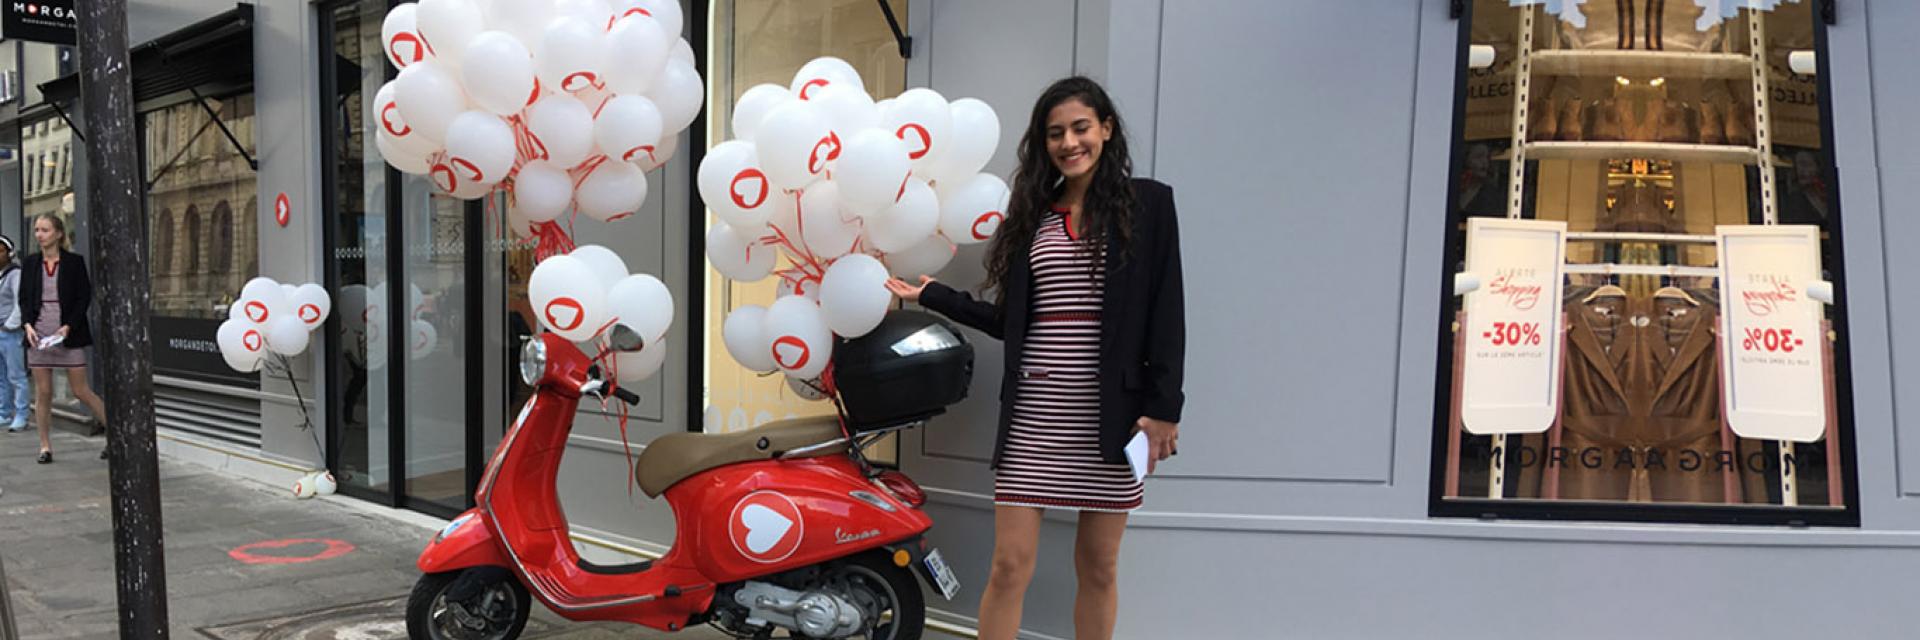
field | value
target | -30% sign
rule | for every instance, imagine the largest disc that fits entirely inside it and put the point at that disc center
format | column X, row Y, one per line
column 1513, row 334
column 1780, row 340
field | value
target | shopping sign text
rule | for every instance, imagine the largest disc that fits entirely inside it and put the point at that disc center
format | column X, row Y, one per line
column 1769, row 293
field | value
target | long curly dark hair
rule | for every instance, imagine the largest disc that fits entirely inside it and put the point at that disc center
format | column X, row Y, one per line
column 1037, row 184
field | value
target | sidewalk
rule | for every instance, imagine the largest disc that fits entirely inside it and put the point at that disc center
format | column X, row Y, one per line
column 56, row 537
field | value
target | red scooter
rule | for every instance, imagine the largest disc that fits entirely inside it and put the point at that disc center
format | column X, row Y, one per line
column 783, row 528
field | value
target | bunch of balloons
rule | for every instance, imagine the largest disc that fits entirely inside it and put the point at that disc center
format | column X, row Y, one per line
column 270, row 316
column 585, row 294
column 366, row 322
column 849, row 190
column 564, row 104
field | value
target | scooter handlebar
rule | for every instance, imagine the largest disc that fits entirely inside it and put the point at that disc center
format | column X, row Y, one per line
column 598, row 386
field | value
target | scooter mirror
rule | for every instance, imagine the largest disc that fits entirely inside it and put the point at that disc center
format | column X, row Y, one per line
column 625, row 339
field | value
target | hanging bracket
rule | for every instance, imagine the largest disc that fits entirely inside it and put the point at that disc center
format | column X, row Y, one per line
column 1827, row 12
column 62, row 111
column 215, row 116
column 899, row 36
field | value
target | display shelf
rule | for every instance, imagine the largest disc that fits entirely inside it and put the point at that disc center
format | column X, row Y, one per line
column 1643, row 64
column 1608, row 150
column 1606, row 269
column 1626, row 236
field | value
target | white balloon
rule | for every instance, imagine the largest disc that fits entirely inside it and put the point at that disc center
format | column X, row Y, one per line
column 480, row 150
column 643, row 304
column 739, row 257
column 745, row 334
column 821, row 73
column 908, row 222
column 423, row 339
column 733, row 185
column 668, row 12
column 571, row 54
column 679, row 92
column 568, row 298
column 401, row 159
column 241, row 344
column 753, row 106
column 562, row 129
column 976, row 132
column 393, row 125
column 632, row 367
column 786, row 218
column 264, row 301
column 498, row 72
column 400, row 33
column 799, row 340
column 637, row 49
column 662, row 152
column 542, row 191
column 608, row 268
column 597, row 13
column 795, row 144
column 627, row 126
column 449, row 26
column 611, row 191
column 311, row 304
column 924, row 259
column 872, row 170
column 287, row 335
column 922, row 119
column 416, row 300
column 525, row 19
column 683, row 51
column 444, row 172
column 849, row 109
column 429, row 97
column 974, row 209
column 519, row 224
column 827, row 232
column 854, row 296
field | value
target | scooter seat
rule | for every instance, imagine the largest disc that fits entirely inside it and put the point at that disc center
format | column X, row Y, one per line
column 672, row 458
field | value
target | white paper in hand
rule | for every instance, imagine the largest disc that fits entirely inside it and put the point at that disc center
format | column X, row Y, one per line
column 1137, row 454
column 52, row 341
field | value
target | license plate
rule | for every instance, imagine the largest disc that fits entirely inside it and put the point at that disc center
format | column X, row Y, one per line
column 942, row 575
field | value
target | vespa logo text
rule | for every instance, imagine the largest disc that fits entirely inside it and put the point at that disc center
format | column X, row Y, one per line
column 841, row 537
column 1772, row 292
column 1523, row 297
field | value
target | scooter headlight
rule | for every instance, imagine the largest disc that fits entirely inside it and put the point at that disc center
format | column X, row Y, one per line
column 533, row 361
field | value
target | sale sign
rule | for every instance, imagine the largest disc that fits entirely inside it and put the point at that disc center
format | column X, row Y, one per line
column 1774, row 377
column 1511, row 368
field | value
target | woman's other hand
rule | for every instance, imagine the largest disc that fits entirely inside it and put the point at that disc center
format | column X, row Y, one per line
column 1163, row 439
column 33, row 337
column 907, row 292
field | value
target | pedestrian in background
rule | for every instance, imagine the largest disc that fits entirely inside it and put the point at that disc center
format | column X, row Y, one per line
column 13, row 344
column 54, row 297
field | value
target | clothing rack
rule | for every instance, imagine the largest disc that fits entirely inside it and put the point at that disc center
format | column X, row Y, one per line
column 1610, row 269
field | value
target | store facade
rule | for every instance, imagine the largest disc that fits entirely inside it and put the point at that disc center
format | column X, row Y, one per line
column 1326, row 488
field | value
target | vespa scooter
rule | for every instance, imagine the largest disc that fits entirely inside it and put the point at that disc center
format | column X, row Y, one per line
column 782, row 528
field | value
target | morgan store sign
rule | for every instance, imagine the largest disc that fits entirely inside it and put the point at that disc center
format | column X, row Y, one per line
column 49, row 21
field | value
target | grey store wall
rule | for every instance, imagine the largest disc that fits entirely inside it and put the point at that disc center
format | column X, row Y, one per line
column 1308, row 144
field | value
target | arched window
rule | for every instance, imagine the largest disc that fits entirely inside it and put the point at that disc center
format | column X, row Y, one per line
column 163, row 243
column 193, row 240
column 223, row 239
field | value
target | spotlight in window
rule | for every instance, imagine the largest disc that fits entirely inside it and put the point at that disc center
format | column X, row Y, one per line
column 1658, row 81
column 1622, row 80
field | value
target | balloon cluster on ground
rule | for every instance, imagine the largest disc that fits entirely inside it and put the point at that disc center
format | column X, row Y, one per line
column 849, row 190
column 565, row 104
column 271, row 317
column 584, row 295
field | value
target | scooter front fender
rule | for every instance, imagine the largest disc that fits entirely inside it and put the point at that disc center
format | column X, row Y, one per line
column 467, row 541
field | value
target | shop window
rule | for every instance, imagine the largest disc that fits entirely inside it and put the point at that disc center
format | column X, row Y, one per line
column 1642, row 263
column 193, row 242
column 766, row 41
column 163, row 246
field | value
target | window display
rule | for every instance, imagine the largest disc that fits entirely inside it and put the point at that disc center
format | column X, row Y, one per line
column 1676, row 159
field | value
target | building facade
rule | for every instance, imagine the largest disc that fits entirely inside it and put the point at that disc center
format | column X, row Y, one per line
column 1328, row 159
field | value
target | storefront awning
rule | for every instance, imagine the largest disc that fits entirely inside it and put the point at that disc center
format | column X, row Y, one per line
column 213, row 54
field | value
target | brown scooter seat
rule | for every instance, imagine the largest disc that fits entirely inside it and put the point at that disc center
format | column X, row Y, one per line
column 672, row 458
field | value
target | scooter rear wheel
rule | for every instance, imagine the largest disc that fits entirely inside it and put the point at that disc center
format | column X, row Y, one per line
column 482, row 603
column 892, row 588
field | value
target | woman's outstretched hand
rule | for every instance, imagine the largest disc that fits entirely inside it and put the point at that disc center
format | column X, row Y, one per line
column 907, row 292
column 1163, row 439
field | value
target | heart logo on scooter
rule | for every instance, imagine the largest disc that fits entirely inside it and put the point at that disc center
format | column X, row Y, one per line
column 765, row 527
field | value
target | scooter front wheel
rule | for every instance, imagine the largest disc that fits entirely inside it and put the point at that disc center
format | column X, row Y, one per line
column 482, row 603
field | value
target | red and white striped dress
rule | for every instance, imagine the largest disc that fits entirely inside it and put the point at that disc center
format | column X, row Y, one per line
column 1052, row 454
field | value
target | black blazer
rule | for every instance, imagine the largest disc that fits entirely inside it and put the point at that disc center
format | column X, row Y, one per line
column 76, row 295
column 1143, row 329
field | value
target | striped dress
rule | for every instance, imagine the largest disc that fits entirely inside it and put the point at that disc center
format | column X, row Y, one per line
column 1052, row 454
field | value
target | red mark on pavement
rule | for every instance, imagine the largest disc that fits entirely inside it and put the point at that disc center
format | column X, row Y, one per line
column 329, row 549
